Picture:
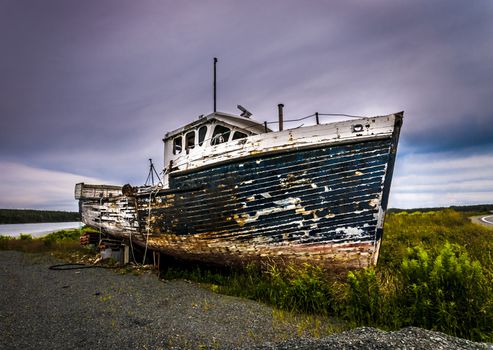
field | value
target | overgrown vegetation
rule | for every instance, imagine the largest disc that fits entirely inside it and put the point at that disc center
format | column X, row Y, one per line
column 62, row 244
column 431, row 230
column 24, row 216
column 435, row 272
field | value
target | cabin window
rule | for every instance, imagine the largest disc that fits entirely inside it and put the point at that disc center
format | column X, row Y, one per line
column 202, row 132
column 177, row 145
column 190, row 140
column 239, row 135
column 220, row 135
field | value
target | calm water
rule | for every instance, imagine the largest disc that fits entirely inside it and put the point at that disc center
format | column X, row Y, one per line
column 36, row 230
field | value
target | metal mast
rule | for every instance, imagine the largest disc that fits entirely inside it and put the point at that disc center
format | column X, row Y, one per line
column 215, row 62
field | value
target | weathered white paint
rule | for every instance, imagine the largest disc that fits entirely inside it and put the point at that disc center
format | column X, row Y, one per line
column 282, row 205
column 84, row 191
column 350, row 232
column 320, row 135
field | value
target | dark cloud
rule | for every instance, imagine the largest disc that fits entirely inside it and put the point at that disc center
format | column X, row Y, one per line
column 91, row 87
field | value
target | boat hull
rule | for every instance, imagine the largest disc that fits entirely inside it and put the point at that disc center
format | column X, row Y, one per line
column 322, row 204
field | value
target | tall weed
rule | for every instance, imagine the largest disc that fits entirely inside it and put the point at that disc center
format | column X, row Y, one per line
column 302, row 287
column 443, row 290
column 447, row 292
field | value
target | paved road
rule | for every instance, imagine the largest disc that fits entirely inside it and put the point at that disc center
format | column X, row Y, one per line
column 486, row 221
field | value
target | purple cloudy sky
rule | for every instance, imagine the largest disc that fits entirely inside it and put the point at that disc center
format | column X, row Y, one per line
column 88, row 88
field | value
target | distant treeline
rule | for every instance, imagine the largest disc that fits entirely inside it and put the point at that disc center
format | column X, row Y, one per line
column 479, row 208
column 25, row 216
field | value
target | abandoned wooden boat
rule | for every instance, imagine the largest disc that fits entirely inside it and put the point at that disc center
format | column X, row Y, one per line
column 235, row 191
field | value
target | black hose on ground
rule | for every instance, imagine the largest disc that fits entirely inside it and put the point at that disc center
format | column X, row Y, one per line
column 77, row 266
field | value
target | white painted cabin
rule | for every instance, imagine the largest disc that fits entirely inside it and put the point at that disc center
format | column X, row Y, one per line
column 200, row 137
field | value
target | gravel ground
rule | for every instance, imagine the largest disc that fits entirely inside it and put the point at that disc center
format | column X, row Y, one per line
column 371, row 338
column 100, row 309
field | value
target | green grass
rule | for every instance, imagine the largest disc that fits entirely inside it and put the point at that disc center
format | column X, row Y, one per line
column 431, row 230
column 63, row 244
column 435, row 271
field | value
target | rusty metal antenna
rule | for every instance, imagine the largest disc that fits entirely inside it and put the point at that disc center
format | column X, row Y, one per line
column 150, row 176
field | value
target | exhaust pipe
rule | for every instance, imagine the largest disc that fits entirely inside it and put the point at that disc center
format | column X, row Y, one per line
column 280, row 106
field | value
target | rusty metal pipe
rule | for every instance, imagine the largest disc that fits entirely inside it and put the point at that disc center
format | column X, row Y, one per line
column 280, row 106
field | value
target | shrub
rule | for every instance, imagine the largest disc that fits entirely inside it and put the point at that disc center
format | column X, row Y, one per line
column 364, row 299
column 303, row 288
column 62, row 241
column 62, row 236
column 447, row 292
column 430, row 230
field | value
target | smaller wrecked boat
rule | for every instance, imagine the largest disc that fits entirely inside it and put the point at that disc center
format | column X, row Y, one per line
column 234, row 191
